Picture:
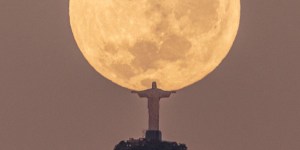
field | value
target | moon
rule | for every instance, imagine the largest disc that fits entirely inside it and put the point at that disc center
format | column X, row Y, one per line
column 173, row 42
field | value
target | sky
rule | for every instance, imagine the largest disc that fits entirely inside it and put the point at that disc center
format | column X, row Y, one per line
column 52, row 99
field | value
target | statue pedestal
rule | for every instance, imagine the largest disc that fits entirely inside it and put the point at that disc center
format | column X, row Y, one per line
column 153, row 135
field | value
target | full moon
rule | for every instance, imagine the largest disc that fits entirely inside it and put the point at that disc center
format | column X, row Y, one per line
column 173, row 42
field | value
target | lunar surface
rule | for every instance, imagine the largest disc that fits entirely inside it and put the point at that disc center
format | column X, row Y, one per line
column 173, row 42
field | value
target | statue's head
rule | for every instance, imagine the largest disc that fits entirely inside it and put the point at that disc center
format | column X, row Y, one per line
column 154, row 86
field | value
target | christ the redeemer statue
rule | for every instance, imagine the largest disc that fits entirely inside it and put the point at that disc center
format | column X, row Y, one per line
column 154, row 95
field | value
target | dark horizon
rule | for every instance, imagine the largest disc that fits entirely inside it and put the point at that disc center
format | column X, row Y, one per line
column 52, row 99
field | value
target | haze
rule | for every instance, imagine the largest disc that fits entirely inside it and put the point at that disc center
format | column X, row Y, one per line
column 51, row 99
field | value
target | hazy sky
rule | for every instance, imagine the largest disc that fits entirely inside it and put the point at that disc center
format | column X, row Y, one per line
column 51, row 99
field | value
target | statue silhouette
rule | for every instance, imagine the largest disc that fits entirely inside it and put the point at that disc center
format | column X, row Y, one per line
column 154, row 95
column 153, row 137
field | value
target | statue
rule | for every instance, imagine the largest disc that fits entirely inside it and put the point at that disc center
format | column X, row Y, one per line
column 154, row 95
column 153, row 137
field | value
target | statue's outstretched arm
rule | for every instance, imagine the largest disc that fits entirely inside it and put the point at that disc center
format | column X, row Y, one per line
column 141, row 93
column 165, row 94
